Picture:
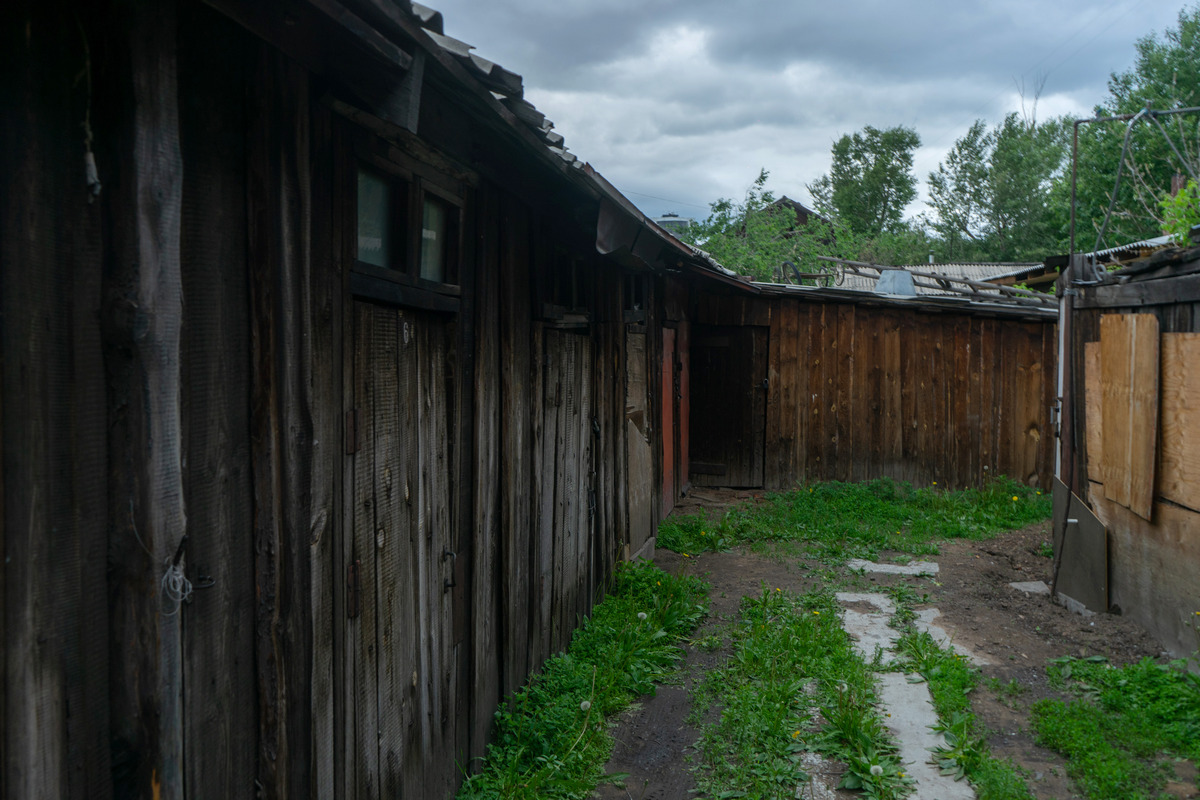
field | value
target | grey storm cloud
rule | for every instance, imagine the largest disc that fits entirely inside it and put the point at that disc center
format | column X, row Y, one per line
column 679, row 102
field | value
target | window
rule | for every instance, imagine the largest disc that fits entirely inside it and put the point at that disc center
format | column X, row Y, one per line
column 408, row 226
column 376, row 212
column 439, row 240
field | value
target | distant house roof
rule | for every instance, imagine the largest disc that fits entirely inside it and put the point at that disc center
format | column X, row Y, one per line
column 803, row 212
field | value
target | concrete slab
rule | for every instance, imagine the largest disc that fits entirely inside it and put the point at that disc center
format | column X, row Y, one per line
column 925, row 622
column 1031, row 587
column 912, row 568
column 911, row 716
column 869, row 629
column 823, row 778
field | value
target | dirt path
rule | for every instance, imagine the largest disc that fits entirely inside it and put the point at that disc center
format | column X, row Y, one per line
column 1016, row 632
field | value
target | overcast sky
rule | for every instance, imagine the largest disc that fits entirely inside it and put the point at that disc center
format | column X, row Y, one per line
column 679, row 102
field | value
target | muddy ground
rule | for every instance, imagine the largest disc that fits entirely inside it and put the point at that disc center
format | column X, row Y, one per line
column 1015, row 632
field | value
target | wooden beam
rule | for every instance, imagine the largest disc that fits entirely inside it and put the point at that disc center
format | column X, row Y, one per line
column 1165, row 291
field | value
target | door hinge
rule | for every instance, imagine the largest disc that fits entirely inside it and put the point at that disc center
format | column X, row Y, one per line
column 352, row 431
column 352, row 588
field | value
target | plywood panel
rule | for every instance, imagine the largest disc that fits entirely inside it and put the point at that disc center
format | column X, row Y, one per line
column 1094, row 420
column 1129, row 363
column 1179, row 474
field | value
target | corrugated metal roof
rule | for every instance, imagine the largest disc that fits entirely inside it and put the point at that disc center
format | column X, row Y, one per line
column 974, row 271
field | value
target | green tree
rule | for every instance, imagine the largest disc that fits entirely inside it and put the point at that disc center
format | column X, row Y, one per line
column 870, row 180
column 991, row 197
column 1165, row 74
column 750, row 237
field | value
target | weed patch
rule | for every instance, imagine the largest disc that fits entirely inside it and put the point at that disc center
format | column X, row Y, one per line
column 1123, row 725
column 951, row 680
column 792, row 663
column 551, row 738
column 838, row 521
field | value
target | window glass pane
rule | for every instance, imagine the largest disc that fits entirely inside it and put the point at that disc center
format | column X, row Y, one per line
column 434, row 235
column 374, row 219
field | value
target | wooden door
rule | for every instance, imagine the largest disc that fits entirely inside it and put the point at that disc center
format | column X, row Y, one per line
column 728, row 405
column 639, row 454
column 668, row 402
column 400, row 561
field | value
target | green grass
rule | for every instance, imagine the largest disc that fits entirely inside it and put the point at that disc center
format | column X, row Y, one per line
column 1123, row 725
column 791, row 661
column 551, row 738
column 952, row 680
column 837, row 521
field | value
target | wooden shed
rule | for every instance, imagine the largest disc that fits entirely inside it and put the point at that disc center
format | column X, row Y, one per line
column 304, row 306
column 794, row 384
column 1127, row 510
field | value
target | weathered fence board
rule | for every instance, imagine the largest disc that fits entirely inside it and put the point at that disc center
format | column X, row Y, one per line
column 863, row 392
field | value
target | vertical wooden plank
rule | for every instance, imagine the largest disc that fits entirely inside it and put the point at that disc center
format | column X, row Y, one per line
column 1179, row 470
column 891, row 389
column 823, row 366
column 55, row 509
column 145, row 439
column 683, row 360
column 1049, row 443
column 863, row 403
column 515, row 413
column 485, row 619
column 911, row 354
column 775, row 459
column 991, row 410
column 219, row 732
column 1129, row 361
column 386, row 542
column 844, row 389
column 975, row 410
column 362, row 629
column 279, row 209
column 668, row 427
column 328, row 421
column 1093, row 417
column 758, row 403
column 963, row 356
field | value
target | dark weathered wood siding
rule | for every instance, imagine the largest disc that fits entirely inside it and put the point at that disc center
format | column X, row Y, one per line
column 182, row 356
column 1153, row 560
column 863, row 390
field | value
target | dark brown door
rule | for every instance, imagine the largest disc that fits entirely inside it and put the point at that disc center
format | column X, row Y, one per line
column 728, row 405
column 400, row 730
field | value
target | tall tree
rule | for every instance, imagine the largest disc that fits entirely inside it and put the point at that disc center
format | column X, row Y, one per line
column 870, row 180
column 991, row 197
column 1165, row 74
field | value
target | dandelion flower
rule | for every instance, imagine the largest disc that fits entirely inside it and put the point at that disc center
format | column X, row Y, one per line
column 778, row 589
column 795, row 734
column 901, row 774
column 1014, row 498
column 641, row 615
column 659, row 583
column 876, row 769
column 585, row 705
column 685, row 555
column 935, row 483
column 818, row 613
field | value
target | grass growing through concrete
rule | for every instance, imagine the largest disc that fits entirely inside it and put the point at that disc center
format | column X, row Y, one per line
column 794, row 682
column 951, row 680
column 1124, row 726
column 551, row 739
column 838, row 521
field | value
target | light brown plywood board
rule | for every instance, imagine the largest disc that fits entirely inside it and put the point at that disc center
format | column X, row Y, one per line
column 1129, row 362
column 1179, row 465
column 1093, row 402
